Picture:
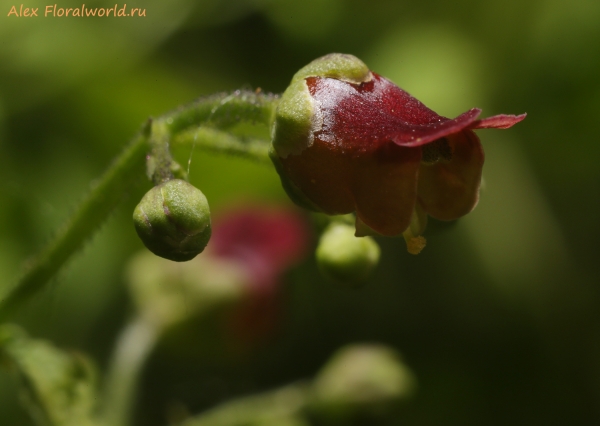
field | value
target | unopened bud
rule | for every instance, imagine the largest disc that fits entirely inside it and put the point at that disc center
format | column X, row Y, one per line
column 345, row 258
column 173, row 220
column 361, row 381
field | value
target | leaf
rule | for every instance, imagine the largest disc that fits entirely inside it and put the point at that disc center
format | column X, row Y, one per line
column 58, row 388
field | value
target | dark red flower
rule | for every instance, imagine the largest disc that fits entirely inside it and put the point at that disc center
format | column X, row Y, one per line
column 348, row 140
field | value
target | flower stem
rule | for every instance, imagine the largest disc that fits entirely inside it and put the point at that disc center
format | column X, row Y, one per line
column 205, row 122
column 159, row 165
column 224, row 110
column 222, row 142
column 104, row 195
column 133, row 347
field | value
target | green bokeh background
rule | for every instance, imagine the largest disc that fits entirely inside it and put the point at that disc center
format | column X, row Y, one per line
column 499, row 317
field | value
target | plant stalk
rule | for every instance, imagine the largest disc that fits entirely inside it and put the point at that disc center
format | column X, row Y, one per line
column 208, row 120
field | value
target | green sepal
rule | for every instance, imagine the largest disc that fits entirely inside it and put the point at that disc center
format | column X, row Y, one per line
column 173, row 220
column 292, row 130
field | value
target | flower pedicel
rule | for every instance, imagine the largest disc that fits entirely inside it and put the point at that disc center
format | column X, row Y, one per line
column 347, row 140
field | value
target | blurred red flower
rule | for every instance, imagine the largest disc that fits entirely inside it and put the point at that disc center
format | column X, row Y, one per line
column 266, row 242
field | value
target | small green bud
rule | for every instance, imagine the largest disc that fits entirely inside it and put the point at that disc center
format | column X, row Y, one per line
column 361, row 381
column 345, row 258
column 173, row 220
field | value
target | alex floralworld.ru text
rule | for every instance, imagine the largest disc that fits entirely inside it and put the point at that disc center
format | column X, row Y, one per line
column 82, row 11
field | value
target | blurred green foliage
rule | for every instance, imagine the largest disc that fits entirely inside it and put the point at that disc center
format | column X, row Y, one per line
column 499, row 317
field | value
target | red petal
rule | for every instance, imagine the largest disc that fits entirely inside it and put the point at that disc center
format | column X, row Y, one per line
column 420, row 135
column 385, row 189
column 364, row 116
column 380, row 185
column 352, row 166
column 449, row 190
column 502, row 121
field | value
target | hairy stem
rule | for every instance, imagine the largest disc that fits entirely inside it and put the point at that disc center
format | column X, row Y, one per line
column 104, row 195
column 205, row 122
column 160, row 160
column 222, row 142
column 223, row 111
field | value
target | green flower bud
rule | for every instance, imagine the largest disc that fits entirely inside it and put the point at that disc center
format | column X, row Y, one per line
column 361, row 381
column 345, row 258
column 173, row 220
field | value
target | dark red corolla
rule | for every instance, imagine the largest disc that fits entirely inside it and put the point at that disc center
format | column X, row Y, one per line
column 348, row 140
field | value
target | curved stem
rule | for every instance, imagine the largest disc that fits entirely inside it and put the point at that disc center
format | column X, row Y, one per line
column 205, row 121
column 222, row 142
column 224, row 110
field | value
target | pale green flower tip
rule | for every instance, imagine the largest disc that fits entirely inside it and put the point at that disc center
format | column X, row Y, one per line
column 344, row 258
column 336, row 65
column 292, row 131
column 173, row 220
column 361, row 380
column 295, row 117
